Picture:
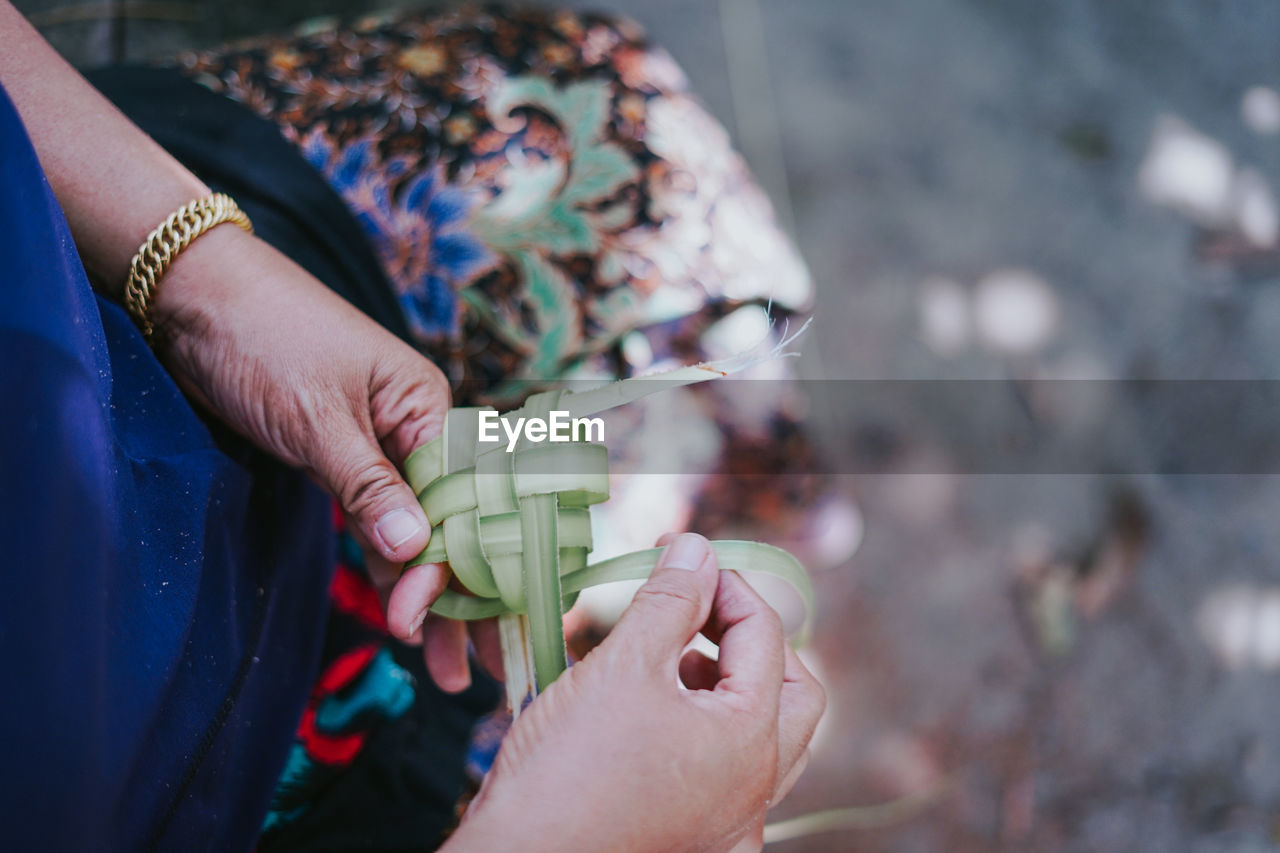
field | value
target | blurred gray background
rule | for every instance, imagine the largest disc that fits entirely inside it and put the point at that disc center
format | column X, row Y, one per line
column 1075, row 189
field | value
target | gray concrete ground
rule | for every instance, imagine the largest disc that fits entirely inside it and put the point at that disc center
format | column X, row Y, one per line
column 998, row 189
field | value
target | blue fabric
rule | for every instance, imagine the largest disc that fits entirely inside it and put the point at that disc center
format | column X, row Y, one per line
column 164, row 587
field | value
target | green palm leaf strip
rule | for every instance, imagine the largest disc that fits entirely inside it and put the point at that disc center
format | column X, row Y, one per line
column 515, row 529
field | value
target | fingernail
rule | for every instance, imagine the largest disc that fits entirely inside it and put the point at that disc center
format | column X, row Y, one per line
column 396, row 528
column 461, row 680
column 686, row 551
column 418, row 620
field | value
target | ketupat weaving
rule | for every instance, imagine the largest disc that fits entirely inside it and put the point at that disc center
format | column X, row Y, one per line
column 515, row 526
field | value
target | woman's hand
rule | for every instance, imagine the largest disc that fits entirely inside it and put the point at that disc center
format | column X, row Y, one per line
column 304, row 375
column 615, row 755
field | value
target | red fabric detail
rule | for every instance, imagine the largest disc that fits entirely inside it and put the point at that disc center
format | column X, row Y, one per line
column 353, row 593
column 344, row 670
column 328, row 748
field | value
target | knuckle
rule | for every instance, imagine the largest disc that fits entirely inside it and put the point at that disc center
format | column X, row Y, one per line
column 437, row 385
column 360, row 487
column 817, row 696
column 757, row 717
column 812, row 694
column 433, row 402
column 680, row 598
column 771, row 623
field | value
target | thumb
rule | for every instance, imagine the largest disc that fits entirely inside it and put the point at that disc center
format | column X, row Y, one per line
column 376, row 497
column 674, row 602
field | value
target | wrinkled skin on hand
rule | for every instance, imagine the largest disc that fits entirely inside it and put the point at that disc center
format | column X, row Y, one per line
column 616, row 755
column 296, row 369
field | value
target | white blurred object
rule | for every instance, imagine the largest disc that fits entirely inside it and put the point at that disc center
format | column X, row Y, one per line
column 1260, row 109
column 700, row 643
column 1256, row 208
column 751, row 328
column 946, row 324
column 741, row 330
column 1187, row 171
column 637, row 350
column 670, row 302
column 1014, row 310
column 834, row 533
column 1241, row 624
column 1266, row 640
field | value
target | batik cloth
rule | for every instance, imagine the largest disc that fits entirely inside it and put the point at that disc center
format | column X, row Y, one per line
column 537, row 185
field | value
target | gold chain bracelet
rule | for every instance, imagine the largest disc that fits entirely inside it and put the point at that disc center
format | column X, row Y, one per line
column 163, row 245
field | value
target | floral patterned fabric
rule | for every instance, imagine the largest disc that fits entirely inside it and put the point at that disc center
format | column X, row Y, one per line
column 536, row 184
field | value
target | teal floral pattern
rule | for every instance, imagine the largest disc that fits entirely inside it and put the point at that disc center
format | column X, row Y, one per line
column 537, row 184
column 554, row 209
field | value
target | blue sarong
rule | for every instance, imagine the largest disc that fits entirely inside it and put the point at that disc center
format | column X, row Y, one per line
column 165, row 585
